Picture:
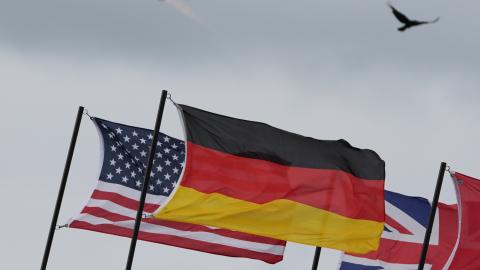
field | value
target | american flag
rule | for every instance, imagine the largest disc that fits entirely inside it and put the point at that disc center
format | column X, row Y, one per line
column 401, row 244
column 113, row 205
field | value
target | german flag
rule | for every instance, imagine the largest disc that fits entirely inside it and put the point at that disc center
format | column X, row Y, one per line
column 254, row 178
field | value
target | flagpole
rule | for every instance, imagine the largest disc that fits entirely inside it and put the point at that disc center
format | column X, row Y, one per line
column 316, row 257
column 436, row 196
column 61, row 190
column 146, row 180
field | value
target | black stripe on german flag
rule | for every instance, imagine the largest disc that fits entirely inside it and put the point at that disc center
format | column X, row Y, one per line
column 261, row 141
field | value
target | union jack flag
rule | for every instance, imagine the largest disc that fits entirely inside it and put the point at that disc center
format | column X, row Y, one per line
column 406, row 221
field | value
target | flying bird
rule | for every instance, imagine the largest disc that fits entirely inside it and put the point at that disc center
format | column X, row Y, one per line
column 406, row 21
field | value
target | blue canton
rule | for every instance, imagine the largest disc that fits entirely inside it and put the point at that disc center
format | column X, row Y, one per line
column 125, row 157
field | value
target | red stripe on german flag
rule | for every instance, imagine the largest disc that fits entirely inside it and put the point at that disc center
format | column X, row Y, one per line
column 261, row 181
column 254, row 178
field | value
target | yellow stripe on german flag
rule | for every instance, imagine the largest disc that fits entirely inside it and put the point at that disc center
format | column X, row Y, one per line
column 254, row 178
column 321, row 228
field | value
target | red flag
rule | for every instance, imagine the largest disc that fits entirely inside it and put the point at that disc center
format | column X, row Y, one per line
column 467, row 250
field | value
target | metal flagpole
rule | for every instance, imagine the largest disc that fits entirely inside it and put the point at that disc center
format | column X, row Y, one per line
column 426, row 242
column 62, row 188
column 146, row 179
column 316, row 257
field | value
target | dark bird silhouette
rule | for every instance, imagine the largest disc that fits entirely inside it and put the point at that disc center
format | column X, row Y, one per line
column 406, row 21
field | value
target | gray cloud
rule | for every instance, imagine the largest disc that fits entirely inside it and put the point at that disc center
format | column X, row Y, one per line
column 301, row 34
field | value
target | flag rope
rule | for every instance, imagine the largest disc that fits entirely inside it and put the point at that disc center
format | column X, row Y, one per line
column 59, row 227
column 85, row 112
column 169, row 97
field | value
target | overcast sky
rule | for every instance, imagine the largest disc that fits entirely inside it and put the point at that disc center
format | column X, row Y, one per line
column 326, row 69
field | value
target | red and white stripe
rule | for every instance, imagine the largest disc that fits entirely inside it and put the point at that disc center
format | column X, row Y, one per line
column 112, row 209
